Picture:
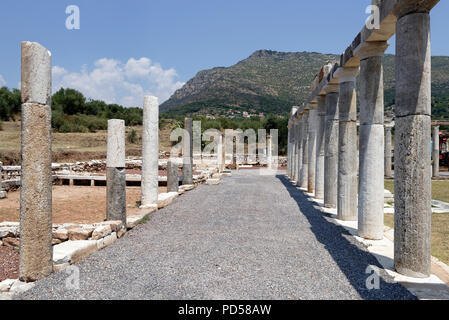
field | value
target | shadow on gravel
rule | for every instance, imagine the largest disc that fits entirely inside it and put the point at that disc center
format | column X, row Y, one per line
column 350, row 258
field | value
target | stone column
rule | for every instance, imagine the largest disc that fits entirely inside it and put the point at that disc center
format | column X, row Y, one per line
column 331, row 147
column 412, row 177
column 289, row 149
column 187, row 149
column 303, row 174
column 172, row 175
column 2, row 191
column 319, row 171
column 36, row 255
column 269, row 153
column 196, row 141
column 220, row 154
column 313, row 119
column 347, row 145
column 372, row 151
column 388, row 153
column 115, row 171
column 436, row 152
column 150, row 152
column 298, row 153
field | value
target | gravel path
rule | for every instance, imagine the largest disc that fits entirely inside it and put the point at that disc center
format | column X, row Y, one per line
column 252, row 237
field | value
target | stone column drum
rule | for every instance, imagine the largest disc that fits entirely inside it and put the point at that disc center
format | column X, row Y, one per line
column 298, row 152
column 172, row 175
column 115, row 172
column 372, row 151
column 36, row 255
column 289, row 149
column 319, row 171
column 436, row 152
column 150, row 152
column 303, row 174
column 331, row 147
column 312, row 149
column 347, row 145
column 412, row 158
column 187, row 149
column 388, row 153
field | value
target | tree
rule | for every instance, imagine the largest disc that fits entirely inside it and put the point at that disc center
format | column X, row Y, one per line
column 70, row 100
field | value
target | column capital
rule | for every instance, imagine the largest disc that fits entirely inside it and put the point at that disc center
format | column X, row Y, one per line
column 371, row 49
column 346, row 74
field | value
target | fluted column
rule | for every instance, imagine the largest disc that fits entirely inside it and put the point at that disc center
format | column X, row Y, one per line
column 436, row 152
column 388, row 153
column 312, row 148
column 331, row 147
column 319, row 171
column 303, row 177
column 347, row 145
column 372, row 150
column 412, row 176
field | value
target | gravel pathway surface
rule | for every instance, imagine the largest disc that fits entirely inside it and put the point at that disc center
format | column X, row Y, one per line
column 251, row 237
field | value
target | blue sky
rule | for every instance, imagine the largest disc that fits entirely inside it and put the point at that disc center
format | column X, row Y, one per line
column 125, row 49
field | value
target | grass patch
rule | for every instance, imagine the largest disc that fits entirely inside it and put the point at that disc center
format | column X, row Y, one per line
column 440, row 234
column 440, row 189
column 145, row 219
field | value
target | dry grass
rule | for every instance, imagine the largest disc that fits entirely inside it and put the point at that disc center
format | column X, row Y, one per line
column 440, row 221
column 75, row 146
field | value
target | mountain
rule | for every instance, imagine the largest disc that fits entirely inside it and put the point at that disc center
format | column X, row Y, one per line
column 272, row 82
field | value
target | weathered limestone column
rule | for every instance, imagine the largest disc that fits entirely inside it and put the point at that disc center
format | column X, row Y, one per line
column 331, row 147
column 150, row 152
column 36, row 255
column 220, row 154
column 347, row 145
column 298, row 154
column 313, row 123
column 412, row 177
column 436, row 152
column 269, row 153
column 2, row 191
column 319, row 171
column 115, row 171
column 303, row 174
column 388, row 153
column 196, row 141
column 172, row 175
column 187, row 149
column 372, row 151
column 289, row 149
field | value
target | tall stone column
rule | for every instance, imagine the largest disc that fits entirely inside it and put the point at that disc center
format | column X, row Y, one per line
column 319, row 171
column 388, row 153
column 187, row 149
column 289, row 151
column 269, row 153
column 372, row 151
column 196, row 144
column 412, row 177
column 347, row 145
column 436, row 152
column 298, row 152
column 313, row 119
column 331, row 147
column 2, row 191
column 36, row 255
column 150, row 152
column 116, row 172
column 220, row 154
column 303, row 174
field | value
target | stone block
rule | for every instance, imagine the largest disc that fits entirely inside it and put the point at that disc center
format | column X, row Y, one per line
column 212, row 182
column 61, row 234
column 73, row 251
column 80, row 233
column 101, row 232
column 164, row 199
column 106, row 241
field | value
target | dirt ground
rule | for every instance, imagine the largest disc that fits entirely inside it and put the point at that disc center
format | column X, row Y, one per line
column 76, row 204
column 9, row 263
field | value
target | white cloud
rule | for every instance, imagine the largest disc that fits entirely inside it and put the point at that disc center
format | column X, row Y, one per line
column 2, row 81
column 116, row 82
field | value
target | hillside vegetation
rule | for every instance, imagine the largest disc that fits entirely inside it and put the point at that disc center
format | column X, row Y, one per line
column 273, row 82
